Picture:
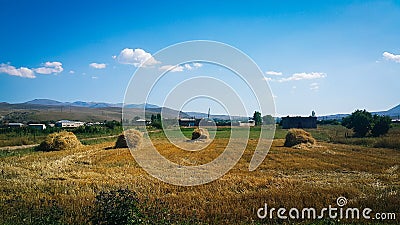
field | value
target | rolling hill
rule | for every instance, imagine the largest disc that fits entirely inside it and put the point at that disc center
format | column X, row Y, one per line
column 49, row 110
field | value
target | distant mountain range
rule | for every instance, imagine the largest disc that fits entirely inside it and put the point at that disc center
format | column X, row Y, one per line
column 47, row 109
column 393, row 113
column 49, row 102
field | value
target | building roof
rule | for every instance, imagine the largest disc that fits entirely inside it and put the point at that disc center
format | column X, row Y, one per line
column 68, row 121
column 15, row 124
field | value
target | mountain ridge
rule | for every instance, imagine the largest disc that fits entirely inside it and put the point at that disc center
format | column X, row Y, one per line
column 392, row 112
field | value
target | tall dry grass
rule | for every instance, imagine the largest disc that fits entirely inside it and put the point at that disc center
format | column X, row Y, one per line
column 62, row 186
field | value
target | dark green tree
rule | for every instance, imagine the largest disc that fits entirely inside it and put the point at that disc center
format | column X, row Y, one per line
column 156, row 121
column 268, row 119
column 381, row 125
column 257, row 118
column 360, row 121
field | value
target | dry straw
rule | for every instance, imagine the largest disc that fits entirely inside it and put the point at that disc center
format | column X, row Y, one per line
column 59, row 141
column 200, row 134
column 129, row 138
column 298, row 136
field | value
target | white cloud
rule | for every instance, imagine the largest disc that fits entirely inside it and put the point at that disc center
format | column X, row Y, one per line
column 273, row 73
column 50, row 67
column 71, row 72
column 303, row 76
column 20, row 72
column 187, row 66
column 94, row 77
column 137, row 57
column 267, row 78
column 181, row 68
column 98, row 65
column 114, row 56
column 171, row 68
column 197, row 65
column 314, row 86
column 391, row 57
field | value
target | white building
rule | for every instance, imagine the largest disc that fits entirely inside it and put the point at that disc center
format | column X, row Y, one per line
column 37, row 126
column 249, row 123
column 13, row 125
column 69, row 124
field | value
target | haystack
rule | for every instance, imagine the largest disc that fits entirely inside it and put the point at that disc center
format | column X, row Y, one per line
column 298, row 136
column 200, row 134
column 59, row 141
column 129, row 138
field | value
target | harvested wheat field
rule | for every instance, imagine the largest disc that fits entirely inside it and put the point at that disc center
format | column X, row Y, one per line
column 61, row 186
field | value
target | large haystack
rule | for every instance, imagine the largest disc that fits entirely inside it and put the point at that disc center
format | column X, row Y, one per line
column 59, row 141
column 129, row 138
column 200, row 134
column 298, row 136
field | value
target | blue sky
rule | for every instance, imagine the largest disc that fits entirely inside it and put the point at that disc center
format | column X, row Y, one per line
column 327, row 56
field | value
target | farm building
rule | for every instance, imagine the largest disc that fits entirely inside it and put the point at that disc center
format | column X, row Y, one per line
column 15, row 125
column 189, row 122
column 69, row 124
column 299, row 122
column 37, row 126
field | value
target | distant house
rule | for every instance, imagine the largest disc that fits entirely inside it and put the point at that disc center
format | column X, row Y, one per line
column 249, row 123
column 299, row 122
column 141, row 122
column 37, row 126
column 15, row 125
column 189, row 122
column 69, row 124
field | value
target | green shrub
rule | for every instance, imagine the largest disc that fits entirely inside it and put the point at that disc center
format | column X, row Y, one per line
column 116, row 207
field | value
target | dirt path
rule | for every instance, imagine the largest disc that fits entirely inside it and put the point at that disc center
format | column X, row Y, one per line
column 11, row 148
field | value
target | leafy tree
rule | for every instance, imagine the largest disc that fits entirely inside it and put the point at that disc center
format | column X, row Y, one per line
column 360, row 121
column 268, row 119
column 257, row 118
column 381, row 125
column 156, row 121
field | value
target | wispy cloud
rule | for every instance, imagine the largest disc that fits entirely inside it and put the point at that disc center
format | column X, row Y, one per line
column 172, row 68
column 180, row 68
column 303, row 76
column 20, row 72
column 314, row 86
column 49, row 68
column 273, row 73
column 391, row 57
column 98, row 65
column 71, row 71
column 136, row 57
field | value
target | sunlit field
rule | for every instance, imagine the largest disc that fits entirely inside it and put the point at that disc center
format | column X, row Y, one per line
column 61, row 187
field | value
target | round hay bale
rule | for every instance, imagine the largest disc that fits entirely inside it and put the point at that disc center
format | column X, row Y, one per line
column 200, row 134
column 129, row 138
column 59, row 141
column 298, row 136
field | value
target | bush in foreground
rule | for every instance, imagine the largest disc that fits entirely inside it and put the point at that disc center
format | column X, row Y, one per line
column 129, row 138
column 298, row 136
column 116, row 207
column 200, row 133
column 59, row 141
